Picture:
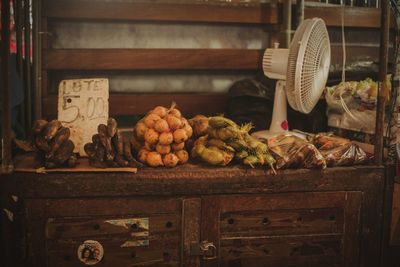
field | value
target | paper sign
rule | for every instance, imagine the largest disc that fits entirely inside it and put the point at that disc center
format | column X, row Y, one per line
column 82, row 106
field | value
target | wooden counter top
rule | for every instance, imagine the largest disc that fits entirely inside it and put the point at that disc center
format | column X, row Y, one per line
column 190, row 180
column 202, row 202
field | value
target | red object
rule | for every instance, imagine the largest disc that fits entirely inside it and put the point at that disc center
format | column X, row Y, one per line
column 285, row 125
column 13, row 45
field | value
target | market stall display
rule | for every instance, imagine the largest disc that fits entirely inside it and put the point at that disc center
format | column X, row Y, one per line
column 291, row 151
column 108, row 148
column 352, row 104
column 339, row 151
column 159, row 138
column 164, row 137
column 226, row 140
column 50, row 146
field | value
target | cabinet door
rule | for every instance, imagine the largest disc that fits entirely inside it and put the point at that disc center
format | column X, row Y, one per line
column 294, row 229
column 131, row 232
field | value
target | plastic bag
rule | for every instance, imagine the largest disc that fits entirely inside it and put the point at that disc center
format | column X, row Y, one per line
column 339, row 151
column 352, row 105
column 291, row 151
column 252, row 100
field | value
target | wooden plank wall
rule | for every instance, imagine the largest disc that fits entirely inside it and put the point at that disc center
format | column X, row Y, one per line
column 267, row 16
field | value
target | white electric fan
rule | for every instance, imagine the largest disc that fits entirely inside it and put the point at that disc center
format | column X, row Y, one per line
column 301, row 71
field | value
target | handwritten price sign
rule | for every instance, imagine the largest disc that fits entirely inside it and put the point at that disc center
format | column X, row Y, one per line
column 82, row 106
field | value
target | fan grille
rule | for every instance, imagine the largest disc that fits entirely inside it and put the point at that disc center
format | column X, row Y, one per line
column 308, row 65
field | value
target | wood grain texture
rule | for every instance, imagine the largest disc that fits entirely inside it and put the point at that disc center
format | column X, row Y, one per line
column 86, row 227
column 191, row 179
column 210, row 227
column 178, row 59
column 362, row 17
column 283, row 251
column 139, row 104
column 395, row 222
column 351, row 235
column 372, row 221
column 111, row 207
column 268, row 230
column 160, row 253
column 164, row 234
column 282, row 201
column 204, row 13
column 112, row 195
column 151, row 59
column 35, row 225
column 183, row 12
column 69, row 222
column 190, row 230
column 283, row 221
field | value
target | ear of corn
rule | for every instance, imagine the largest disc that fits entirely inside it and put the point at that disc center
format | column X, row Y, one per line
column 226, row 138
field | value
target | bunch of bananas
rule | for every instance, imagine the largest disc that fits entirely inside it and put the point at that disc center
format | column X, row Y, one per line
column 108, row 149
column 226, row 140
column 50, row 140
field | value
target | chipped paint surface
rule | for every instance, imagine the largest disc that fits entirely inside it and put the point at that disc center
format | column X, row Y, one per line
column 9, row 214
column 141, row 223
column 140, row 234
column 139, row 231
column 137, row 243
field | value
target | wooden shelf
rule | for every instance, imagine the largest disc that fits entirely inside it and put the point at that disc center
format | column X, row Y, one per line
column 124, row 104
column 178, row 59
column 152, row 59
column 67, row 9
column 359, row 17
column 362, row 17
column 182, row 59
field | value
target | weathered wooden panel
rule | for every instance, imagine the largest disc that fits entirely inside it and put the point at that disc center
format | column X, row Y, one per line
column 197, row 12
column 35, row 212
column 293, row 229
column 120, row 104
column 179, row 59
column 312, row 200
column 362, row 17
column 281, row 222
column 96, row 207
column 282, row 251
column 191, row 12
column 191, row 230
column 151, row 59
column 159, row 253
column 190, row 179
column 210, row 228
column 395, row 223
column 352, row 230
column 132, row 232
column 361, row 226
column 160, row 225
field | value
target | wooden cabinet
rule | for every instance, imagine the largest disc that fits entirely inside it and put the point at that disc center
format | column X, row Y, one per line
column 160, row 218
column 133, row 232
column 295, row 229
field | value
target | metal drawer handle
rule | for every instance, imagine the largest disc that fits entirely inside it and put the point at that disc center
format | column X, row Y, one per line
column 210, row 248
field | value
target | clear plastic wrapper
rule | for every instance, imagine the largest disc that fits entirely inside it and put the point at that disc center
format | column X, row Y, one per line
column 352, row 104
column 291, row 151
column 339, row 151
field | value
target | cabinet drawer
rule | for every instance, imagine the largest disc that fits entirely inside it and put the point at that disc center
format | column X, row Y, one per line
column 131, row 232
column 294, row 229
